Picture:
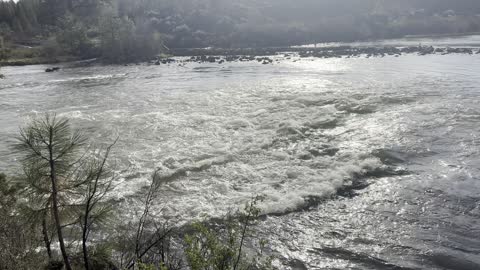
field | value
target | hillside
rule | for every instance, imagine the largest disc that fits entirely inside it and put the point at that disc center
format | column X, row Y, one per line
column 242, row 23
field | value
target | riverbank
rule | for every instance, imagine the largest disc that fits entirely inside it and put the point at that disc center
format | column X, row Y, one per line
column 37, row 61
column 464, row 34
column 265, row 55
column 323, row 52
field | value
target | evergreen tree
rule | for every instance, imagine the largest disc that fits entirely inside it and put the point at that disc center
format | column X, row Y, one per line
column 3, row 50
column 22, row 17
column 124, row 40
column 7, row 12
column 72, row 35
column 49, row 147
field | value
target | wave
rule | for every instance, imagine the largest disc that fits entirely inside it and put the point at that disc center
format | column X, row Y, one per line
column 353, row 107
column 451, row 262
column 166, row 174
column 364, row 259
column 19, row 85
column 77, row 115
column 90, row 78
column 212, row 186
column 308, row 187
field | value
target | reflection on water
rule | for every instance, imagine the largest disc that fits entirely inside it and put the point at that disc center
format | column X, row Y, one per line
column 441, row 41
column 364, row 163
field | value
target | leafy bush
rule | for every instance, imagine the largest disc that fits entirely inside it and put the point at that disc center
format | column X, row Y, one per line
column 18, row 237
column 211, row 249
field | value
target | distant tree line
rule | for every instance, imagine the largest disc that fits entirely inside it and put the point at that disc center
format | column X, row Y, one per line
column 125, row 30
column 83, row 28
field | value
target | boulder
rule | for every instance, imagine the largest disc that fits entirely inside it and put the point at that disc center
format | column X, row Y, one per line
column 168, row 61
column 305, row 156
column 231, row 58
column 211, row 59
column 52, row 69
column 323, row 123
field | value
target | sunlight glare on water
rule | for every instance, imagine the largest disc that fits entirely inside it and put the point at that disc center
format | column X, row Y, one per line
column 363, row 163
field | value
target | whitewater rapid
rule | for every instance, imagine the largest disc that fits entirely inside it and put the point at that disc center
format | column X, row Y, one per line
column 361, row 163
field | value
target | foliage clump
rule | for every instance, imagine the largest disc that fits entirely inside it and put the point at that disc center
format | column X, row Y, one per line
column 225, row 249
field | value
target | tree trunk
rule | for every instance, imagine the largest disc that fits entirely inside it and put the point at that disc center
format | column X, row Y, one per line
column 58, row 225
column 85, row 252
column 53, row 178
column 45, row 235
column 84, row 236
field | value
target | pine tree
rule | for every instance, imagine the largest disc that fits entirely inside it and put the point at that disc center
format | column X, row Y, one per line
column 50, row 147
column 73, row 35
column 22, row 17
column 7, row 12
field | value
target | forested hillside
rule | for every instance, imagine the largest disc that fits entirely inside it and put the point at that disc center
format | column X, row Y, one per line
column 117, row 27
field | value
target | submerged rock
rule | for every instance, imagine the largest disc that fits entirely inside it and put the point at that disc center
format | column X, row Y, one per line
column 263, row 55
column 389, row 157
column 355, row 108
column 167, row 61
column 324, row 123
column 305, row 156
column 293, row 174
column 289, row 130
column 52, row 69
column 211, row 59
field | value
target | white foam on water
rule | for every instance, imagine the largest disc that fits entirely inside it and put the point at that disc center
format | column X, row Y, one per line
column 290, row 132
column 77, row 115
column 89, row 78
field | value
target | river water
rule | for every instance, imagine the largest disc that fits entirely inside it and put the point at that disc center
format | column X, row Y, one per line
column 363, row 163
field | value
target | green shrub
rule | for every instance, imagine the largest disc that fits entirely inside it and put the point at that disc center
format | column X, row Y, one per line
column 18, row 238
column 224, row 249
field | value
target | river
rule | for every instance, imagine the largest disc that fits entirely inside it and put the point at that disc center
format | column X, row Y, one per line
column 363, row 163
